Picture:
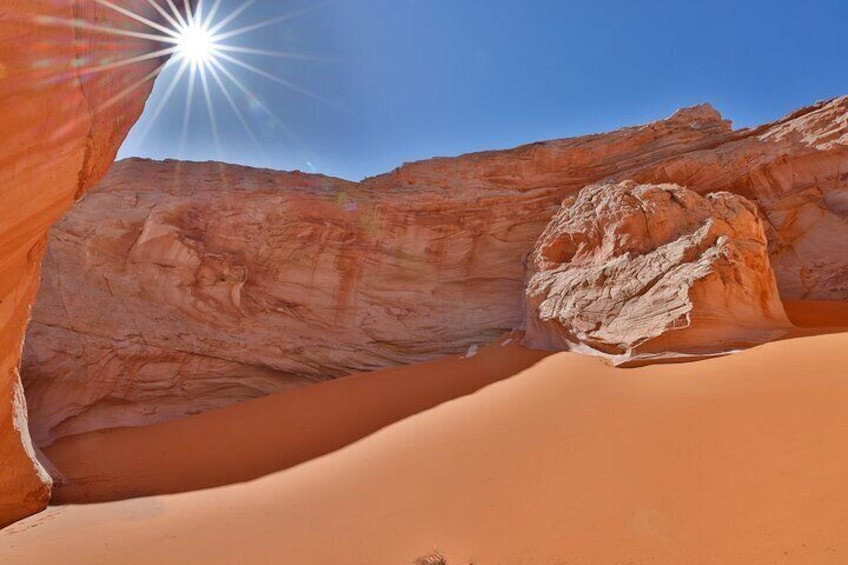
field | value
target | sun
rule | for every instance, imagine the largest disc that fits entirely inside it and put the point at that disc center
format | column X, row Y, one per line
column 196, row 44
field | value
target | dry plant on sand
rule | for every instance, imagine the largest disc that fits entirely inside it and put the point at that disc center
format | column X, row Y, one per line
column 434, row 558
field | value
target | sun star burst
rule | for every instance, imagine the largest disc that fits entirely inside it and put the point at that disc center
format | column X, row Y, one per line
column 196, row 44
column 197, row 41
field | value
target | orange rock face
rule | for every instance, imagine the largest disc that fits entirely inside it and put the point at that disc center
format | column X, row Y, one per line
column 61, row 126
column 796, row 170
column 199, row 285
column 631, row 271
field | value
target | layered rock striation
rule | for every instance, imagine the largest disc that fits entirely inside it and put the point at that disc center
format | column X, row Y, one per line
column 64, row 117
column 177, row 287
column 633, row 271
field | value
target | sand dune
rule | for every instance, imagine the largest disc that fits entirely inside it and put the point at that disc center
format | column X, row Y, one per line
column 739, row 459
column 258, row 437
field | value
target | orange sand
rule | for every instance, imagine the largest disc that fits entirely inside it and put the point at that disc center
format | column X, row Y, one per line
column 740, row 459
column 255, row 438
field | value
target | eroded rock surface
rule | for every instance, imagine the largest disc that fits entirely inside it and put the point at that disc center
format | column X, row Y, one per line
column 628, row 271
column 309, row 277
column 61, row 126
column 796, row 170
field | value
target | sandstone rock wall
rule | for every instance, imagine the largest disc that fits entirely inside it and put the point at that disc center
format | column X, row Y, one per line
column 206, row 284
column 60, row 129
column 207, row 265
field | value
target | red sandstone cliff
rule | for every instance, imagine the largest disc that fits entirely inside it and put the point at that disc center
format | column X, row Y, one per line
column 206, row 284
column 60, row 129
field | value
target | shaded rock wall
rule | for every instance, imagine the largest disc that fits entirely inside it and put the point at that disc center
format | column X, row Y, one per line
column 201, row 274
column 60, row 129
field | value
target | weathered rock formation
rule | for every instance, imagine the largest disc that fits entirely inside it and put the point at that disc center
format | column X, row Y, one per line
column 630, row 270
column 61, row 126
column 176, row 287
column 796, row 170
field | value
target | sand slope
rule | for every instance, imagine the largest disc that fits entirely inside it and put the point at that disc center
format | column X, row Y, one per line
column 261, row 436
column 740, row 459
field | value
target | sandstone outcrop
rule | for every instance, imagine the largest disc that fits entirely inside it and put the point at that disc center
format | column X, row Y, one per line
column 630, row 271
column 796, row 170
column 61, row 126
column 200, row 284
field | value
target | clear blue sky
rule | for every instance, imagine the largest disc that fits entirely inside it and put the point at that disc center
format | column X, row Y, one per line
column 411, row 79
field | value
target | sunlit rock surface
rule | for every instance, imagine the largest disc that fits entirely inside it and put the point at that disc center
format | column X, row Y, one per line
column 60, row 129
column 796, row 170
column 211, row 272
column 629, row 271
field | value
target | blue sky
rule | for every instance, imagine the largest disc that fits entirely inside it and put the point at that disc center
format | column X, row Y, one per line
column 402, row 80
